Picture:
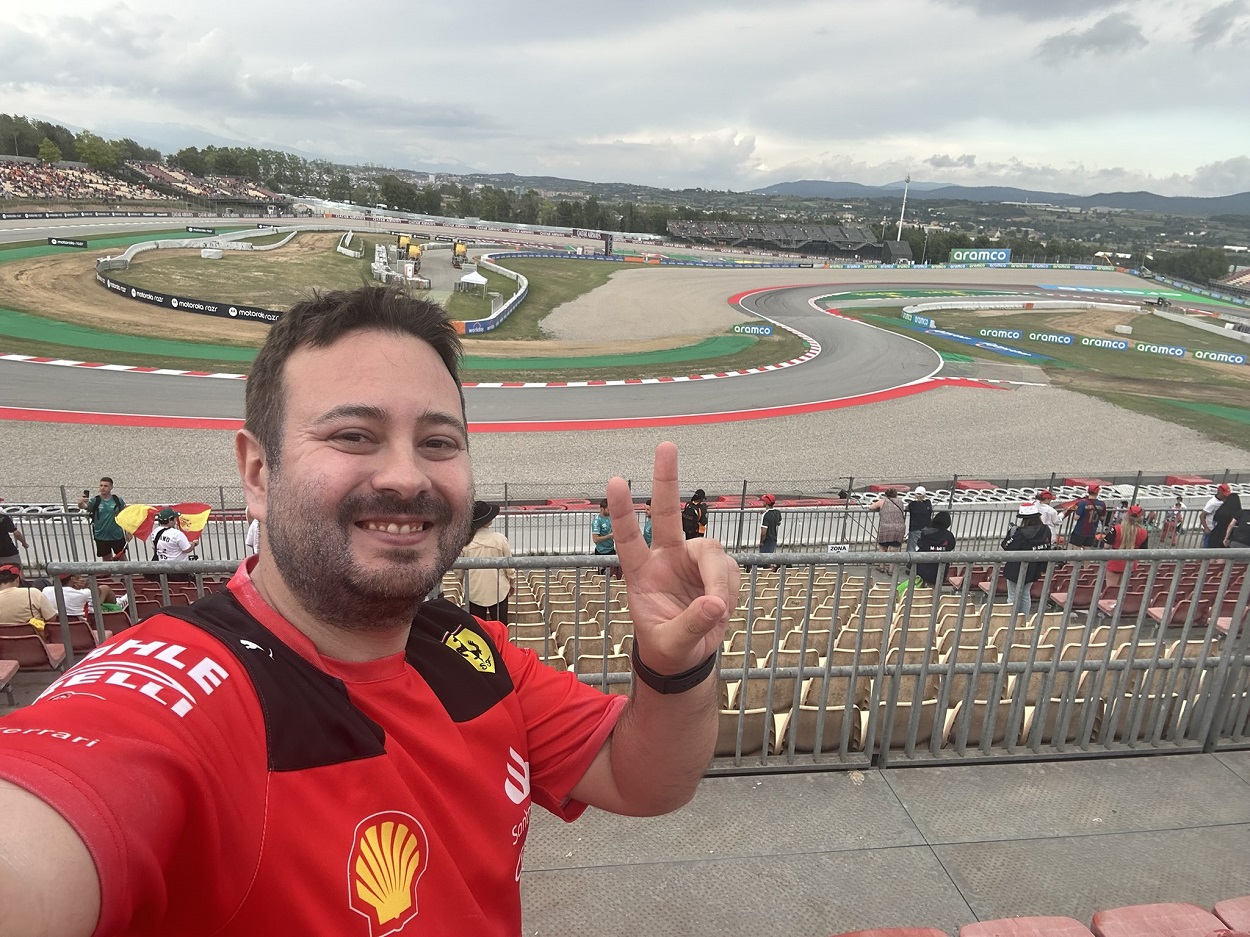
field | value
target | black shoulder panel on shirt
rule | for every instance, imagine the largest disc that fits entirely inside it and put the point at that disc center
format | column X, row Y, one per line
column 457, row 659
column 310, row 721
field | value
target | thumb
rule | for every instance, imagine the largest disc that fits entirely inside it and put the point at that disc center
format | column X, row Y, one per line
column 680, row 643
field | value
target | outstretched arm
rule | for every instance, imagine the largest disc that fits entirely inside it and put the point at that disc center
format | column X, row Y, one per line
column 48, row 882
column 681, row 594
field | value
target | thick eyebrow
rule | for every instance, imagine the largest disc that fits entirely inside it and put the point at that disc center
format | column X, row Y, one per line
column 363, row 411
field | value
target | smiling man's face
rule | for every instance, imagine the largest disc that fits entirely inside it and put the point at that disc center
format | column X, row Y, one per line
column 373, row 496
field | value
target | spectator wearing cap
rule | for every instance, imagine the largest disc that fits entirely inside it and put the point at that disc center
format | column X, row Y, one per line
column 936, row 538
column 1129, row 534
column 919, row 515
column 1207, row 517
column 769, row 524
column 694, row 515
column 20, row 604
column 169, row 543
column 1224, row 519
column 1029, row 533
column 1050, row 517
column 488, row 589
column 1089, row 512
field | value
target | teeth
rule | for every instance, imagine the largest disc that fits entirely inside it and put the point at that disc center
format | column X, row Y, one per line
column 393, row 528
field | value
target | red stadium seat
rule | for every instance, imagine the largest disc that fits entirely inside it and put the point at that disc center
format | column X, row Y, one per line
column 1235, row 912
column 895, row 932
column 1156, row 920
column 1027, row 927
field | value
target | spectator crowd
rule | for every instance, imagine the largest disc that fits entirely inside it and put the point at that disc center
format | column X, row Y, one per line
column 44, row 181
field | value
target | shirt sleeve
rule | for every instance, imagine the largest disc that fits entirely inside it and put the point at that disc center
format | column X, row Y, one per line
column 566, row 724
column 152, row 748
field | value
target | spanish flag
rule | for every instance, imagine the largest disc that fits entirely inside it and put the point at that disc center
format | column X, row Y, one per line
column 138, row 519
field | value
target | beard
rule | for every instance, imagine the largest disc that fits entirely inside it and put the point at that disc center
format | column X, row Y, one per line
column 314, row 556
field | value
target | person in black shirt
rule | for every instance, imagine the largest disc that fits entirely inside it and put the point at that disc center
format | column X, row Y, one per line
column 694, row 515
column 936, row 538
column 8, row 549
column 919, row 516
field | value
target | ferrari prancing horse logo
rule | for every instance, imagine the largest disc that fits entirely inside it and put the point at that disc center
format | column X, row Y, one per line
column 472, row 647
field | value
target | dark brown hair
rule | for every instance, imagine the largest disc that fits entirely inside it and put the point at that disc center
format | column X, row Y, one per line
column 320, row 322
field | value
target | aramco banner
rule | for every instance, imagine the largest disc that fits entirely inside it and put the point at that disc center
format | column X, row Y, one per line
column 980, row 255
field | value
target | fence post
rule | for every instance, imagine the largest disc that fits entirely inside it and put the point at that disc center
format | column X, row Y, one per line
column 221, row 496
column 505, row 509
column 1052, row 482
column 1136, row 487
column 846, row 508
column 69, row 531
column 742, row 511
column 950, row 495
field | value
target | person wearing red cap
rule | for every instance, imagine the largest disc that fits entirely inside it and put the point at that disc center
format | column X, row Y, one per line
column 1090, row 512
column 769, row 524
column 1224, row 519
column 1207, row 517
column 19, row 604
column 1129, row 534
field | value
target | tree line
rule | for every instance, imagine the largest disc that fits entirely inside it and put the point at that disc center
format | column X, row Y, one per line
column 52, row 143
column 1203, row 265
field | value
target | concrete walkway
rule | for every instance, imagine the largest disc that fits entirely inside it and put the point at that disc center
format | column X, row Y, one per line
column 811, row 855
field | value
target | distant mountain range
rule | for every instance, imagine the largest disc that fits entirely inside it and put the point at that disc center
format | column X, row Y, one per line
column 1138, row 201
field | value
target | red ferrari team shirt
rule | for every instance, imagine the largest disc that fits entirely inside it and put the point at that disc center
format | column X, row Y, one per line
column 228, row 780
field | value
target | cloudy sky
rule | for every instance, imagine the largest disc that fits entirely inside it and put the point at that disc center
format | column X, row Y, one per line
column 1079, row 96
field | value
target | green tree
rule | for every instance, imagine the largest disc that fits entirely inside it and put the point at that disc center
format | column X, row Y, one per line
column 190, row 159
column 49, row 152
column 429, row 201
column 95, row 151
column 340, row 189
column 1202, row 265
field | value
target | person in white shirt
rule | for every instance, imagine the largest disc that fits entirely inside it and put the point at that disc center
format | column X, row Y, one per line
column 78, row 596
column 169, row 543
column 1050, row 517
column 1208, row 512
column 488, row 589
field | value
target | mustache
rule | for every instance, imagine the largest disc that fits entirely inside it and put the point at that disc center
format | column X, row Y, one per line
column 425, row 505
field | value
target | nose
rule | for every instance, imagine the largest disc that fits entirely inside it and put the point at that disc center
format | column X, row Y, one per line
column 401, row 471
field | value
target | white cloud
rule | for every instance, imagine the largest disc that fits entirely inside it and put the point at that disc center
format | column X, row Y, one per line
column 1087, row 94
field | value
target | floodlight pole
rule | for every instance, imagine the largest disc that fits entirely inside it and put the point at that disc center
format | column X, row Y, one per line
column 906, row 185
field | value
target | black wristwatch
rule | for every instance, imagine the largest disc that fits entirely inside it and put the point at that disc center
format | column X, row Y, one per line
column 676, row 683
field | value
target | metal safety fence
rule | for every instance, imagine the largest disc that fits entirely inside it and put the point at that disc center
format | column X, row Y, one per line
column 54, row 535
column 854, row 661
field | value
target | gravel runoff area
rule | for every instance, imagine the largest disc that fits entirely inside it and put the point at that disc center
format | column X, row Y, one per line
column 1024, row 432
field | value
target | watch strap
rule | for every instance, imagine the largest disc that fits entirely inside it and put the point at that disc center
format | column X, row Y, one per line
column 675, row 683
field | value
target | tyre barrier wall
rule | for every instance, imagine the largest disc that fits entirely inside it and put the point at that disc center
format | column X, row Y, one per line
column 40, row 215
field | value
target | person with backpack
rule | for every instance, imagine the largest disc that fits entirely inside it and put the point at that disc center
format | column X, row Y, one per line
column 169, row 543
column 1090, row 512
column 694, row 515
column 769, row 524
column 110, row 539
column 1028, row 534
column 1129, row 534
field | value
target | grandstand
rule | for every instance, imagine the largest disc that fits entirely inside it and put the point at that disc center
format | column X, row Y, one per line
column 841, row 242
column 1238, row 281
column 22, row 178
column 223, row 193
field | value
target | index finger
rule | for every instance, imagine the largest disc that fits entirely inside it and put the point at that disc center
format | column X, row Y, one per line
column 665, row 501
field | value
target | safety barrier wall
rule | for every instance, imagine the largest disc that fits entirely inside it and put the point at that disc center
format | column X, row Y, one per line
column 825, row 665
column 344, row 247
column 495, row 319
column 1039, row 305
column 1194, row 323
column 58, row 536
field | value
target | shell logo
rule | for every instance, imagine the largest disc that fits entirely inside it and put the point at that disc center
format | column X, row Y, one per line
column 390, row 853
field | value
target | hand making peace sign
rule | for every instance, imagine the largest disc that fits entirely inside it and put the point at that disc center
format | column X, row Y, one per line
column 681, row 592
